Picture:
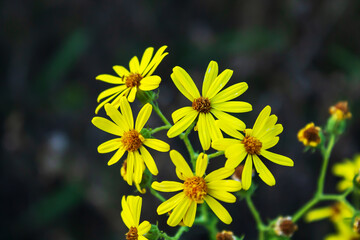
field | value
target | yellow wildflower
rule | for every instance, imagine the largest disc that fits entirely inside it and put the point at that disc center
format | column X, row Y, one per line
column 129, row 82
column 340, row 111
column 336, row 213
column 257, row 140
column 130, row 139
column 310, row 135
column 211, row 102
column 130, row 214
column 195, row 189
column 347, row 170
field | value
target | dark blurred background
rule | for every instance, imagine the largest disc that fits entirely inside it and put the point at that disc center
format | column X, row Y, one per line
column 300, row 57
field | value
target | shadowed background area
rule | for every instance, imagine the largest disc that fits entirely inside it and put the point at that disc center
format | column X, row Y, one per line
column 299, row 57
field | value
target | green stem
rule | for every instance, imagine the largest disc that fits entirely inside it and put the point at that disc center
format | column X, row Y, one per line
column 185, row 138
column 180, row 231
column 157, row 195
column 158, row 129
column 326, row 156
column 256, row 215
column 304, row 209
column 159, row 113
column 216, row 154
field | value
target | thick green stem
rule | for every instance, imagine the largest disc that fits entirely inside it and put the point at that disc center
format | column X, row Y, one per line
column 180, row 231
column 256, row 215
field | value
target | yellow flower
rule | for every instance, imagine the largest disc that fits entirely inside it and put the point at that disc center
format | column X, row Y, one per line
column 340, row 111
column 257, row 140
column 310, row 135
column 211, row 102
column 347, row 170
column 130, row 139
column 131, row 209
column 129, row 82
column 336, row 213
column 196, row 189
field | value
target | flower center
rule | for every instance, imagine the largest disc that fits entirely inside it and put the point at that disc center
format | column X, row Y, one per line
column 312, row 134
column 132, row 140
column 252, row 145
column 225, row 235
column 202, row 105
column 133, row 80
column 195, row 188
column 287, row 227
column 132, row 234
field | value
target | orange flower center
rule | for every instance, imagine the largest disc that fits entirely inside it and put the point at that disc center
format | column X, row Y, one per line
column 252, row 145
column 202, row 105
column 132, row 234
column 312, row 134
column 132, row 140
column 133, row 80
column 195, row 188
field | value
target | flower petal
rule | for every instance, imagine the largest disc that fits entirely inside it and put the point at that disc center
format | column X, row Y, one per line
column 230, row 93
column 145, row 60
column 270, row 143
column 214, row 130
column 180, row 163
column 235, row 160
column 229, row 129
column 247, row 173
column 126, row 213
column 225, row 185
column 143, row 117
column 277, row 158
column 181, row 88
column 204, row 135
column 261, row 120
column 138, row 167
column 219, row 174
column 107, row 100
column 171, row 203
column 121, row 71
column 144, row 228
column 201, row 164
column 134, row 65
column 109, row 79
column 126, row 112
column 222, row 195
column 219, row 83
column 135, row 203
column 210, row 75
column 130, row 168
column 218, row 209
column 111, row 91
column 233, row 121
column 234, row 150
column 157, row 144
column 190, row 214
column 181, row 112
column 132, row 95
column 107, row 126
column 186, row 81
column 167, row 186
column 182, row 124
column 222, row 144
column 233, row 106
column 154, row 63
column 110, row 145
column 263, row 171
column 116, row 157
column 149, row 161
column 150, row 83
column 117, row 117
column 179, row 212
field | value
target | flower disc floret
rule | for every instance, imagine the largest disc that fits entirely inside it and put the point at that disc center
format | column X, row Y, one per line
column 252, row 145
column 132, row 140
column 195, row 188
column 132, row 234
column 202, row 105
column 133, row 80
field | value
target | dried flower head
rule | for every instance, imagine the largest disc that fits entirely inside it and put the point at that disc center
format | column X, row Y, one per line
column 225, row 235
column 340, row 111
column 310, row 135
column 285, row 227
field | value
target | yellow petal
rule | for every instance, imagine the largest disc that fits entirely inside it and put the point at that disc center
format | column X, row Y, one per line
column 121, row 71
column 270, row 133
column 109, row 79
column 142, row 237
column 110, row 145
column 182, row 124
column 190, row 214
column 222, row 144
column 138, row 170
column 154, row 63
column 225, row 185
column 186, row 81
column 180, row 113
column 210, row 75
column 167, row 186
column 150, row 83
column 106, row 101
column 261, row 120
column 277, row 158
column 117, row 117
column 107, row 126
column 149, row 161
column 126, row 213
column 230, row 93
column 126, row 112
column 233, row 121
column 318, row 214
column 134, row 65
column 235, row 160
column 157, row 144
column 218, row 209
column 144, row 228
column 222, row 195
column 233, row 106
column 203, row 128
column 263, row 171
column 171, row 203
column 219, row 174
column 219, row 83
column 181, row 88
column 247, row 173
column 143, row 116
column 229, row 129
column 180, row 163
column 132, row 94
column 130, row 167
column 201, row 164
column 214, row 129
column 145, row 60
column 179, row 212
column 235, row 150
column 270, row 143
column 116, row 157
column 135, row 203
column 111, row 91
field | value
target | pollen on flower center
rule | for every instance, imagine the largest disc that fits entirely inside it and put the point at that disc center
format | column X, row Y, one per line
column 132, row 140
column 132, row 234
column 252, row 145
column 195, row 188
column 202, row 105
column 133, row 80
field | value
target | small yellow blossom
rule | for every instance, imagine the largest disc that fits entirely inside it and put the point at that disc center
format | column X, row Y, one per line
column 256, row 141
column 310, row 135
column 347, row 170
column 130, row 140
column 196, row 189
column 340, row 111
column 212, row 102
column 129, row 82
column 130, row 214
column 336, row 212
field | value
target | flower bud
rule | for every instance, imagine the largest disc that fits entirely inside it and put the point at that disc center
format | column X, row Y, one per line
column 225, row 235
column 285, row 227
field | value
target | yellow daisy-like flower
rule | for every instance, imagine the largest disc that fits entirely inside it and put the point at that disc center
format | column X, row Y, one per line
column 131, row 209
column 340, row 111
column 310, row 135
column 129, row 82
column 347, row 170
column 211, row 102
column 195, row 189
column 257, row 140
column 336, row 213
column 130, row 139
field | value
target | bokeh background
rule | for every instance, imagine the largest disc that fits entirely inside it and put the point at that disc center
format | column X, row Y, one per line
column 300, row 57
